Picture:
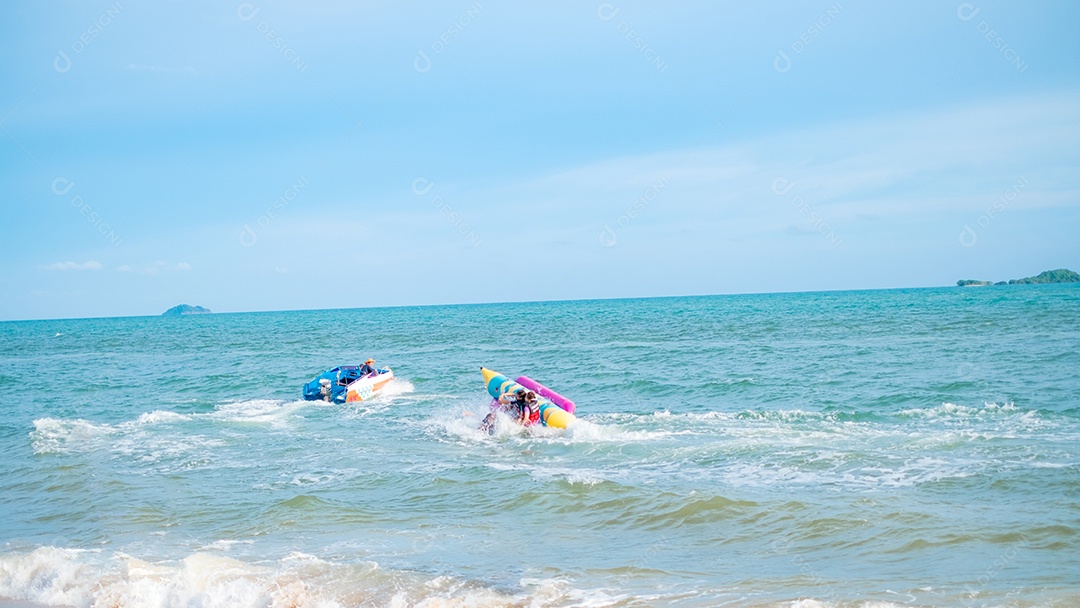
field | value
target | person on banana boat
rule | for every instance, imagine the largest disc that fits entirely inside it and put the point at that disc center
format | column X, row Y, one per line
column 521, row 405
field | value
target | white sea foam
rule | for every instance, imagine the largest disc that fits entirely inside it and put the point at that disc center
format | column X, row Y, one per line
column 808, row 603
column 49, row 575
column 464, row 425
column 51, row 436
column 136, row 440
column 162, row 416
column 262, row 411
column 584, row 479
column 385, row 400
column 55, row 576
column 579, row 477
column 1051, row 465
column 795, row 415
column 225, row 544
column 950, row 410
column 395, row 388
column 503, row 466
column 815, row 603
column 167, row 453
column 584, row 431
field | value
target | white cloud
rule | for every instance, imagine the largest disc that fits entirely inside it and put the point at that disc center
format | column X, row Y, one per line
column 155, row 268
column 803, row 196
column 921, row 164
column 89, row 265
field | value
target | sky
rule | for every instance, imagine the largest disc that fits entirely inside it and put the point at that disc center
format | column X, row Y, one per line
column 249, row 156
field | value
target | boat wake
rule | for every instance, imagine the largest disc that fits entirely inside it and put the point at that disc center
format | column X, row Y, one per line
column 55, row 435
column 384, row 400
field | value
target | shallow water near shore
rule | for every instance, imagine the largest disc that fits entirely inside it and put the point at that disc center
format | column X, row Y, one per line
column 869, row 448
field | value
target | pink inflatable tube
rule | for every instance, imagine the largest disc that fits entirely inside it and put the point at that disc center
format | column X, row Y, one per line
column 544, row 391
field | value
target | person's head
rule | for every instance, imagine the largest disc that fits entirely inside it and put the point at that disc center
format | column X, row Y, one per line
column 369, row 361
column 530, row 397
column 520, row 393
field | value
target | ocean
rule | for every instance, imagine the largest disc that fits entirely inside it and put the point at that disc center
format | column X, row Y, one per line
column 890, row 448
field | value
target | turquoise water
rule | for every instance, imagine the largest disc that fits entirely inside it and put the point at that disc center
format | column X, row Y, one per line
column 874, row 448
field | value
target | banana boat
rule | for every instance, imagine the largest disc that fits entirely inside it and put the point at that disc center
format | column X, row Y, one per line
column 550, row 414
column 544, row 391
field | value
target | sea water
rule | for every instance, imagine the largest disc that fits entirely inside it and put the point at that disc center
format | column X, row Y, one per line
column 868, row 448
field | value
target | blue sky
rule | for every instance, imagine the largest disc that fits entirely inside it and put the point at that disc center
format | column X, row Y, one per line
column 267, row 155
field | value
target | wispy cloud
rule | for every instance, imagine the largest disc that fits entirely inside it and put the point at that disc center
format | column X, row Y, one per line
column 89, row 265
column 925, row 164
column 155, row 268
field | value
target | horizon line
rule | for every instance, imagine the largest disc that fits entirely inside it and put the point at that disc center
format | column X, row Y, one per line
column 492, row 303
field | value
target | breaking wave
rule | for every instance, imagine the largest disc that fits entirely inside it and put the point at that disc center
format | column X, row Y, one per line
column 69, row 577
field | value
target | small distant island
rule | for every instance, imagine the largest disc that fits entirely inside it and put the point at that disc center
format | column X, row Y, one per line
column 185, row 309
column 1061, row 275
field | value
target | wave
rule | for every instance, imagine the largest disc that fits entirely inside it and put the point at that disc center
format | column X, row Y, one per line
column 52, row 436
column 55, row 576
column 953, row 410
column 71, row 577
